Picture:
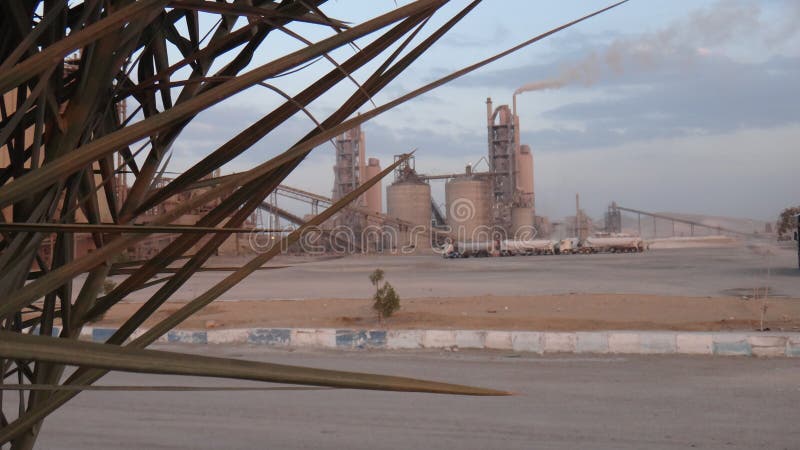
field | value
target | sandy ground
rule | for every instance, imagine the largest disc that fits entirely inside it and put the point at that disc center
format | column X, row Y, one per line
column 567, row 312
column 674, row 289
column 690, row 272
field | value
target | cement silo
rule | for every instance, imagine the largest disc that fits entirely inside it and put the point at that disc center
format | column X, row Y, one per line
column 374, row 196
column 525, row 178
column 521, row 224
column 410, row 201
column 468, row 201
column 522, row 213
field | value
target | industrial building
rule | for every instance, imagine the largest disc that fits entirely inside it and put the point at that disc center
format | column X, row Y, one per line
column 497, row 203
column 479, row 206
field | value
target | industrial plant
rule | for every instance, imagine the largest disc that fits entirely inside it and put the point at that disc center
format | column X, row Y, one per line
column 489, row 212
column 480, row 206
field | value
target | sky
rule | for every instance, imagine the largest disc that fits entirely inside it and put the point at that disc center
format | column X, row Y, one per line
column 659, row 105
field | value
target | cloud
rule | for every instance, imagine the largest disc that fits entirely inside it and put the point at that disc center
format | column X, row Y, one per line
column 747, row 173
column 677, row 44
column 385, row 141
column 700, row 131
column 212, row 128
column 739, row 173
column 718, row 96
column 463, row 40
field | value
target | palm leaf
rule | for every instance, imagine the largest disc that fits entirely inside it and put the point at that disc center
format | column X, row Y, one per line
column 127, row 359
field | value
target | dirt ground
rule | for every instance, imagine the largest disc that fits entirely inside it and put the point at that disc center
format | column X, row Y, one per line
column 568, row 312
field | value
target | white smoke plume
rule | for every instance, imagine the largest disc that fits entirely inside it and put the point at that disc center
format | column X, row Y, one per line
column 681, row 42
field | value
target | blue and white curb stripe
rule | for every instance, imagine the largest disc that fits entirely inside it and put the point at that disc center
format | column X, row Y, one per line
column 773, row 344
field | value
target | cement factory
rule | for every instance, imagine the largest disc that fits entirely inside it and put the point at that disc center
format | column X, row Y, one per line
column 496, row 204
column 486, row 213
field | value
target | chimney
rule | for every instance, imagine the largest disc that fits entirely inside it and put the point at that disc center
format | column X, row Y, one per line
column 489, row 111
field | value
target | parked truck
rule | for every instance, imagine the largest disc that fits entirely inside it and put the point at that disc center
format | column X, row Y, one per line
column 601, row 244
column 569, row 246
column 470, row 249
column 618, row 244
column 511, row 247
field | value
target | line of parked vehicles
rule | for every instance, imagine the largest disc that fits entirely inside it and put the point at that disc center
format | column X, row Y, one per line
column 569, row 246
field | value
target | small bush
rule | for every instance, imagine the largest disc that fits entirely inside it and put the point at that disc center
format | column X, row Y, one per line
column 387, row 302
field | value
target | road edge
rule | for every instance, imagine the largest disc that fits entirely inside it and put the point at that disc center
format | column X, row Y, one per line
column 759, row 344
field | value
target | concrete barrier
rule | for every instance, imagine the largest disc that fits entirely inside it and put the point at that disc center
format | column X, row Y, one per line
column 627, row 342
column 765, row 346
column 694, row 344
column 234, row 336
column 527, row 341
column 732, row 344
column 309, row 337
column 657, row 343
column 470, row 338
column 187, row 337
column 793, row 346
column 277, row 337
column 439, row 338
column 359, row 339
column 559, row 342
column 404, row 339
column 498, row 340
column 591, row 342
column 775, row 344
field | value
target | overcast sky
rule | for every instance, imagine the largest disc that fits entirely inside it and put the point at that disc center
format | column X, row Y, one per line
column 661, row 105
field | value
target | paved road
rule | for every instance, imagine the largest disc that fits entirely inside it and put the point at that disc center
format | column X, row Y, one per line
column 692, row 272
column 562, row 403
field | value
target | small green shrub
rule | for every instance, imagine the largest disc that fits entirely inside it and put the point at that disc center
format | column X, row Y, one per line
column 387, row 302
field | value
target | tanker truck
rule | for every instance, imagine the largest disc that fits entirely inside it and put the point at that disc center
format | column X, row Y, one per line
column 567, row 246
column 601, row 244
column 511, row 247
column 474, row 249
column 615, row 244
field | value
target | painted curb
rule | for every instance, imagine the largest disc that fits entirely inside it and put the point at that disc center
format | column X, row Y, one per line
column 559, row 342
column 591, row 342
column 774, row 344
column 527, row 341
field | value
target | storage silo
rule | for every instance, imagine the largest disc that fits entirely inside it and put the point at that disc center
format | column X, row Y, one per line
column 468, row 201
column 525, row 167
column 410, row 201
column 374, row 195
column 521, row 224
column 522, row 219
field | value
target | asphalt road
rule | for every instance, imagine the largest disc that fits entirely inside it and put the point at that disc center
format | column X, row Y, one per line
column 561, row 402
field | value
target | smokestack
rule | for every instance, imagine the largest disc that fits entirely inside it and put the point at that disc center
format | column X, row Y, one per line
column 514, row 104
column 489, row 111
